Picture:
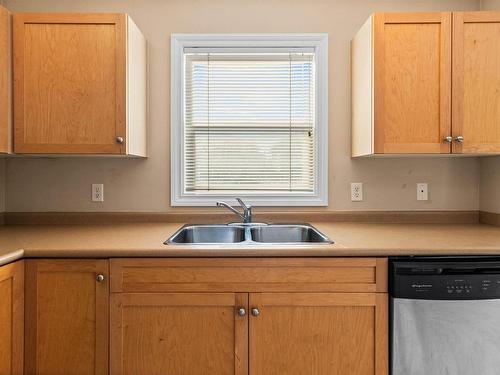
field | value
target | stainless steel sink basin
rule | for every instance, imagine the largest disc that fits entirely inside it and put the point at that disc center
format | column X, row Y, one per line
column 208, row 234
column 288, row 233
column 248, row 234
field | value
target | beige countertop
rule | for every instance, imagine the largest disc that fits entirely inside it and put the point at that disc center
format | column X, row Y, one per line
column 146, row 240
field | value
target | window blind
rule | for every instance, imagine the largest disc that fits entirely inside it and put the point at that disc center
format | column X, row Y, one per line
column 249, row 121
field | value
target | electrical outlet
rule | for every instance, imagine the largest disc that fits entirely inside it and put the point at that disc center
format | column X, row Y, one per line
column 356, row 191
column 422, row 191
column 97, row 193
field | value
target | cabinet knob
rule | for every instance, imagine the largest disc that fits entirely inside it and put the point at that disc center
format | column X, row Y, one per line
column 448, row 139
column 100, row 278
column 242, row 311
column 255, row 311
column 459, row 139
column 119, row 140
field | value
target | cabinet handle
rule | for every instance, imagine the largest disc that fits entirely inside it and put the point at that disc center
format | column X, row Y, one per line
column 100, row 278
column 242, row 311
column 459, row 139
column 119, row 140
column 448, row 139
column 255, row 311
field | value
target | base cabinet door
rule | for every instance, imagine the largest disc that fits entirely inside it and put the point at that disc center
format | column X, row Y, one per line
column 67, row 310
column 318, row 333
column 179, row 334
column 11, row 318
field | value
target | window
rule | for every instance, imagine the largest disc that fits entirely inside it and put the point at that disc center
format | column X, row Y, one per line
column 249, row 119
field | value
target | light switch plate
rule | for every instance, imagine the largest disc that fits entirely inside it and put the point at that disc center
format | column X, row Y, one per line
column 422, row 191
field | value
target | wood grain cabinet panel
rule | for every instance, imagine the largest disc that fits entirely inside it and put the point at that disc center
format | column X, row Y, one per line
column 318, row 333
column 249, row 275
column 424, row 84
column 5, row 81
column 72, row 78
column 179, row 334
column 67, row 315
column 412, row 78
column 402, row 84
column 182, row 316
column 476, row 82
column 11, row 318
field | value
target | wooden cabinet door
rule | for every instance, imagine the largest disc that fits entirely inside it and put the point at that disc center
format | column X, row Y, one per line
column 412, row 78
column 476, row 82
column 179, row 334
column 11, row 318
column 5, row 97
column 318, row 334
column 69, row 83
column 67, row 308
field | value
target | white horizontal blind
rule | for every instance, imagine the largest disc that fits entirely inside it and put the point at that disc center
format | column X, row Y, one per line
column 249, row 121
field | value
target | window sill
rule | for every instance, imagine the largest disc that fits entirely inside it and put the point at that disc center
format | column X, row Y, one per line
column 278, row 200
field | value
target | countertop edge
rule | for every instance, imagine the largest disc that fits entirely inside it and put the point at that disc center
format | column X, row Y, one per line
column 243, row 253
column 11, row 256
column 239, row 253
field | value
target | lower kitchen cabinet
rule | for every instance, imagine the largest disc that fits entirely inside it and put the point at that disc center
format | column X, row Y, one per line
column 11, row 318
column 179, row 334
column 67, row 315
column 207, row 316
column 276, row 333
column 318, row 333
column 245, row 316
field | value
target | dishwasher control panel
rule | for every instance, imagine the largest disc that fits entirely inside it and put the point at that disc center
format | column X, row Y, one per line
column 444, row 280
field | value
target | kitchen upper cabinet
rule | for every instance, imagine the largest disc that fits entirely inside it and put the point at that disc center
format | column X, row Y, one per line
column 179, row 334
column 401, row 84
column 318, row 333
column 412, row 95
column 5, row 82
column 67, row 308
column 476, row 82
column 12, row 318
column 79, row 84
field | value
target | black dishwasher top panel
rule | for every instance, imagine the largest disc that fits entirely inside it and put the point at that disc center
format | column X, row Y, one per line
column 459, row 278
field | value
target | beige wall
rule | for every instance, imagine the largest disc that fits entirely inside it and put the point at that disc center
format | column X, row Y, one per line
column 143, row 185
column 490, row 167
column 490, row 4
column 490, row 185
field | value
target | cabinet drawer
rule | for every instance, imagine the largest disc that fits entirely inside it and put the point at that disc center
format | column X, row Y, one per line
column 249, row 275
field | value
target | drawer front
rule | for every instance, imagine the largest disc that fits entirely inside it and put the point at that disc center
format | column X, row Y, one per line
column 249, row 275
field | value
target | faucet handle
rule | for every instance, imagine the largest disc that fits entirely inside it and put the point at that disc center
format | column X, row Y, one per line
column 247, row 211
column 243, row 204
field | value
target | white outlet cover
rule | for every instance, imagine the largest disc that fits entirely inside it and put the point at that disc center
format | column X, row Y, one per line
column 356, row 191
column 97, row 192
column 422, row 191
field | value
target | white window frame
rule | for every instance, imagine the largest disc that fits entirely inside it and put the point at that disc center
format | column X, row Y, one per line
column 179, row 196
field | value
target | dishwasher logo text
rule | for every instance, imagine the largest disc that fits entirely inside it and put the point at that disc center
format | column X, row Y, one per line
column 421, row 286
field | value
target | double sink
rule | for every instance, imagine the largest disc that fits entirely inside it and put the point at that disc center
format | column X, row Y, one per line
column 248, row 234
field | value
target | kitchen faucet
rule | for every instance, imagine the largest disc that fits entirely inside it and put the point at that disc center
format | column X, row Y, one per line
column 246, row 216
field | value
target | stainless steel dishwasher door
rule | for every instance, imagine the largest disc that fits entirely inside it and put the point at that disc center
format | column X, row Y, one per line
column 434, row 337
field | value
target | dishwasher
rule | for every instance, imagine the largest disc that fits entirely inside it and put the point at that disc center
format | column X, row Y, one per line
column 445, row 315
